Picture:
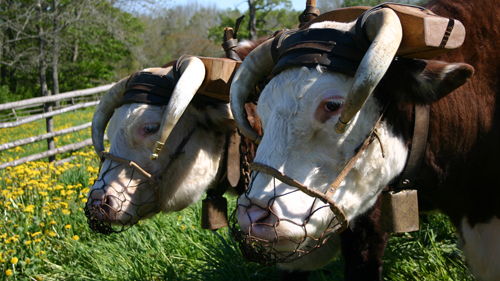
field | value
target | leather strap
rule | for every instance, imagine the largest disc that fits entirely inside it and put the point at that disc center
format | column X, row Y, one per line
column 417, row 150
column 373, row 134
column 336, row 50
column 233, row 158
column 310, row 13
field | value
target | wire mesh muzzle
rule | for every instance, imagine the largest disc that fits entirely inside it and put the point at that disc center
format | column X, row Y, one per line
column 265, row 251
column 111, row 210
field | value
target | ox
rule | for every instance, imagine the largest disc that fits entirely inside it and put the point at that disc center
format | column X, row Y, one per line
column 315, row 120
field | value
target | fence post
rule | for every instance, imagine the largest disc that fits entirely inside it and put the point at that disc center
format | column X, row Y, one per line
column 15, row 115
column 50, row 128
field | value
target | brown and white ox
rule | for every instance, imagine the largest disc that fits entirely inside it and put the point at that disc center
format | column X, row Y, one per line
column 300, row 108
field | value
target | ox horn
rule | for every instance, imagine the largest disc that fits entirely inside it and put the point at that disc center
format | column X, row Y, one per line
column 104, row 111
column 385, row 32
column 192, row 75
column 254, row 66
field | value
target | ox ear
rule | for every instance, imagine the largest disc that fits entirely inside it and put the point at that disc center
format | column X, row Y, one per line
column 423, row 81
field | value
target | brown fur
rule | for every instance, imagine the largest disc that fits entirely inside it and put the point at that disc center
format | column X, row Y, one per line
column 459, row 172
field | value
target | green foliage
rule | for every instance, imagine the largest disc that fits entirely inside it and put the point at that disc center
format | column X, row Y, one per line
column 93, row 37
column 271, row 16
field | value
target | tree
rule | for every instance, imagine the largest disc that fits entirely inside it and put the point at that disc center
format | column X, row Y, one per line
column 41, row 33
column 258, row 11
column 268, row 20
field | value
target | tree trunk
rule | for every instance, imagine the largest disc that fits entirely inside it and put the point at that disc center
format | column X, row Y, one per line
column 42, row 68
column 252, row 24
column 55, row 49
column 75, row 51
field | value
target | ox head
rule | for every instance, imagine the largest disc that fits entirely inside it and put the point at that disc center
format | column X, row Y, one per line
column 135, row 183
column 315, row 120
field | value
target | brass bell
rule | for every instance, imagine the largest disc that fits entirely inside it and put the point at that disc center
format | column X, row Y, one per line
column 400, row 211
column 214, row 213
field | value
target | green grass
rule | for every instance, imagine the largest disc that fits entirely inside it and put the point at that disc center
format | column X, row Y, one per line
column 44, row 236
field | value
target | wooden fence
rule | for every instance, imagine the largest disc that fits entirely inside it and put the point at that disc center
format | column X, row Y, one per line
column 25, row 111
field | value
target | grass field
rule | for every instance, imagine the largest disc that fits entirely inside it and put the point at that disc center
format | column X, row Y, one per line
column 44, row 233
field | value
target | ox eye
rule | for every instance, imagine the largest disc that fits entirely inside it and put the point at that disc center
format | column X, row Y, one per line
column 333, row 105
column 151, row 128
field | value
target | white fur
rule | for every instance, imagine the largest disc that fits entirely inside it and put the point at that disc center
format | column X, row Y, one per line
column 481, row 246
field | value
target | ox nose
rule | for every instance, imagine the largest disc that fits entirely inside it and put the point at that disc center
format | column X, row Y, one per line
column 257, row 220
column 102, row 206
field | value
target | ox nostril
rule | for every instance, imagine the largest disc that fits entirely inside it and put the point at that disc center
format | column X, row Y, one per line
column 258, row 214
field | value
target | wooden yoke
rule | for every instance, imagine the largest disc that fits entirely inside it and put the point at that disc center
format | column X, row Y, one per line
column 218, row 77
column 425, row 34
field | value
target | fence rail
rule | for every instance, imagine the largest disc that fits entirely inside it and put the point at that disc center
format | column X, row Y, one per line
column 76, row 100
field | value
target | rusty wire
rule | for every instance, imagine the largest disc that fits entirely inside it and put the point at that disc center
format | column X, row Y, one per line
column 263, row 251
column 102, row 216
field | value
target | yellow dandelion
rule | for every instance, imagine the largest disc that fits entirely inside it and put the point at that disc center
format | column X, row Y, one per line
column 183, row 227
column 76, row 238
column 38, row 278
column 27, row 242
column 8, row 272
column 68, row 226
column 52, row 234
column 14, row 260
column 28, row 261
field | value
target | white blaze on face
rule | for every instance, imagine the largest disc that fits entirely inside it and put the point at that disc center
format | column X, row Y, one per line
column 298, row 110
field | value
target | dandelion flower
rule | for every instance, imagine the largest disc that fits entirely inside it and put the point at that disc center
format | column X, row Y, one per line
column 76, row 238
column 14, row 260
column 28, row 261
column 68, row 226
column 8, row 272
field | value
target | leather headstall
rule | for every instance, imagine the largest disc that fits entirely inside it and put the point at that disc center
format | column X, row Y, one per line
column 336, row 50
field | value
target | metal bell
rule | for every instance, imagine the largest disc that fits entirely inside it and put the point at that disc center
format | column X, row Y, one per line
column 214, row 213
column 400, row 211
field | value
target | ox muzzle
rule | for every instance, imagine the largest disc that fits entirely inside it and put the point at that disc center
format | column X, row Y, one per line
column 110, row 211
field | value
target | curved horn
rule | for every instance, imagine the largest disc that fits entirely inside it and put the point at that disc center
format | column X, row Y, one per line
column 254, row 66
column 384, row 30
column 104, row 111
column 192, row 75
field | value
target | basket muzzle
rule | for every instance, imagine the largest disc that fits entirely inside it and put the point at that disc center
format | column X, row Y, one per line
column 110, row 208
column 263, row 242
